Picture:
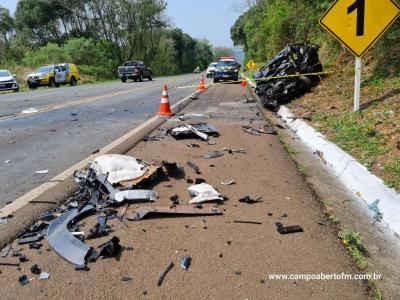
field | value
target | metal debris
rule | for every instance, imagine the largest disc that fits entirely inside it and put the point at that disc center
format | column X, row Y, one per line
column 23, row 280
column 162, row 277
column 193, row 166
column 247, row 222
column 249, row 200
column 213, row 154
column 111, row 248
column 190, row 210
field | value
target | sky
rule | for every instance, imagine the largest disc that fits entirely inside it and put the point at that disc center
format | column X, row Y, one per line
column 210, row 19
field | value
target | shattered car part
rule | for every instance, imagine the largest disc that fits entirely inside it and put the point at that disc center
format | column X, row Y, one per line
column 111, row 248
column 249, row 200
column 247, row 222
column 203, row 192
column 193, row 166
column 189, row 210
column 35, row 269
column 233, row 150
column 292, row 60
column 289, row 229
column 99, row 230
column 28, row 240
column 135, row 195
column 184, row 262
column 118, row 167
column 63, row 242
column 150, row 172
column 5, row 251
column 44, row 276
column 23, row 280
column 162, row 277
column 213, row 154
column 201, row 130
column 230, row 182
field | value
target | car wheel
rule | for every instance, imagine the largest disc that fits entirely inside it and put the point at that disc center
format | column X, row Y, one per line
column 32, row 87
column 52, row 83
column 123, row 79
column 236, row 79
column 141, row 77
column 16, row 90
column 73, row 82
column 215, row 80
column 150, row 78
column 135, row 79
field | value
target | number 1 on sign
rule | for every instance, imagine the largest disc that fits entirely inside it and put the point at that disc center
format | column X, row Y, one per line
column 359, row 5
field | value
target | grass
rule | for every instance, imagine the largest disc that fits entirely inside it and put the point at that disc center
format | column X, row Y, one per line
column 394, row 169
column 290, row 149
column 354, row 133
column 354, row 243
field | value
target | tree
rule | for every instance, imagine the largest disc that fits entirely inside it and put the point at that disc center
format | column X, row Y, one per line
column 222, row 51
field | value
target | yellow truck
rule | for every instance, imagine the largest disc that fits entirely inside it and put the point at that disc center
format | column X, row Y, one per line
column 54, row 76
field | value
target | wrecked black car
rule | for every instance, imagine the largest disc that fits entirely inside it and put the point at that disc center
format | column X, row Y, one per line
column 292, row 60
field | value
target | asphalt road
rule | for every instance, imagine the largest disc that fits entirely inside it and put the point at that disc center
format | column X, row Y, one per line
column 70, row 124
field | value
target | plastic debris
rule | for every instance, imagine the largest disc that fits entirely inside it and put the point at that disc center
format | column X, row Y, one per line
column 42, row 172
column 184, row 262
column 29, row 111
column 35, row 269
column 23, row 280
column 203, row 192
column 44, row 276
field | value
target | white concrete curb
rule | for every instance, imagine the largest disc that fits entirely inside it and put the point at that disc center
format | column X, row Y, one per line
column 356, row 177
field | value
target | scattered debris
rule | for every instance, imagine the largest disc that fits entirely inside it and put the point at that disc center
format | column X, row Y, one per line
column 257, row 132
column 44, row 276
column 184, row 262
column 193, row 146
column 126, row 279
column 238, row 273
column 200, row 130
column 162, row 277
column 230, row 182
column 5, row 251
column 190, row 210
column 193, row 166
column 320, row 154
column 23, row 280
column 29, row 111
column 35, row 269
column 118, row 167
column 213, row 154
column 289, row 229
column 42, row 172
column 99, row 229
column 62, row 241
column 7, row 264
column 292, row 60
column 249, row 200
column 111, row 248
column 31, row 239
column 203, row 192
column 247, row 222
column 232, row 150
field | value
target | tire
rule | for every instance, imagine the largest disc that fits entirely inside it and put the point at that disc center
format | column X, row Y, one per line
column 215, row 80
column 135, row 79
column 73, row 81
column 16, row 90
column 32, row 87
column 236, row 79
column 141, row 78
column 150, row 78
column 52, row 83
column 123, row 79
column 307, row 83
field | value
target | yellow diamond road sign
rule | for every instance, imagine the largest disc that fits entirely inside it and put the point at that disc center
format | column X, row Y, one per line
column 251, row 65
column 358, row 24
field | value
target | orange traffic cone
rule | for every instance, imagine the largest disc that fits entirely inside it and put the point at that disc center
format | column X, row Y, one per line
column 165, row 109
column 244, row 82
column 202, row 85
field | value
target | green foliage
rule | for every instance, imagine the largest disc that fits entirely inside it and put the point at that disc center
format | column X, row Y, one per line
column 98, row 35
column 222, row 51
column 353, row 133
column 354, row 242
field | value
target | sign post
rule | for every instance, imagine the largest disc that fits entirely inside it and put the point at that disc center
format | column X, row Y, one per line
column 357, row 85
column 358, row 24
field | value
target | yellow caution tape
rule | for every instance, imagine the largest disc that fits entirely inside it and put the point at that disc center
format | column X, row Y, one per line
column 259, row 79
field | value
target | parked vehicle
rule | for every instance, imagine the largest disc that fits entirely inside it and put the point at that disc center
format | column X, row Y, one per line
column 8, row 81
column 135, row 70
column 227, row 69
column 211, row 69
column 54, row 76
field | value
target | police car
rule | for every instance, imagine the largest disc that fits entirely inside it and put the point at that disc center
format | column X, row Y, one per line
column 227, row 69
